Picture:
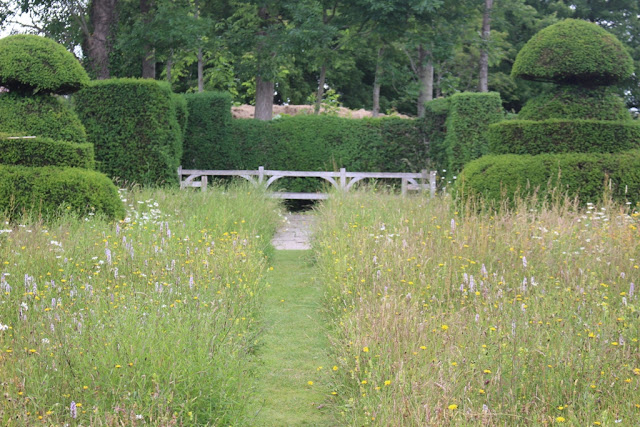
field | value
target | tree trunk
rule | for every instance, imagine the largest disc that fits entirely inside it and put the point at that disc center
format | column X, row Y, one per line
column 483, row 79
column 320, row 93
column 264, row 99
column 200, row 71
column 425, row 74
column 98, row 41
column 149, row 58
column 375, row 112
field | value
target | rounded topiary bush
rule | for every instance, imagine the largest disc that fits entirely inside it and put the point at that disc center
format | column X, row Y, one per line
column 40, row 115
column 31, row 64
column 39, row 151
column 573, row 52
column 582, row 175
column 575, row 102
column 47, row 190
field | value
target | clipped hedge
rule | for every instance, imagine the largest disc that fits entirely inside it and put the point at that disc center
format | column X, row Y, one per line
column 470, row 115
column 133, row 124
column 575, row 102
column 327, row 143
column 207, row 134
column 38, row 151
column 574, row 52
column 435, row 130
column 40, row 115
column 562, row 136
column 32, row 64
column 581, row 175
column 46, row 189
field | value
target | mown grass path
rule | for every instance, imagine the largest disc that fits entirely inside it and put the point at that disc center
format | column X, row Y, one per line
column 294, row 347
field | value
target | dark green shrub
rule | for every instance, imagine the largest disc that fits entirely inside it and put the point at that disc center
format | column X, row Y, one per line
column 182, row 111
column 31, row 64
column 40, row 115
column 470, row 114
column 581, row 175
column 207, row 134
column 435, row 130
column 134, row 126
column 45, row 152
column 315, row 143
column 562, row 136
column 45, row 189
column 574, row 52
column 575, row 102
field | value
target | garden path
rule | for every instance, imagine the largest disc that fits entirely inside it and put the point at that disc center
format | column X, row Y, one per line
column 290, row 383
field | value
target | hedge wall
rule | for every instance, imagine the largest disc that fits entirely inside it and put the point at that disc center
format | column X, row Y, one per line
column 206, row 138
column 562, row 136
column 327, row 143
column 45, row 189
column 40, row 115
column 578, row 174
column 45, row 152
column 434, row 128
column 134, row 126
column 470, row 114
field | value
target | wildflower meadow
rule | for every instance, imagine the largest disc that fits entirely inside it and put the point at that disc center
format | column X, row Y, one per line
column 151, row 320
column 443, row 314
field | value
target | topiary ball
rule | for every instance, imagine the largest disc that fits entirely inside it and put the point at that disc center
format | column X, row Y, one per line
column 30, row 63
column 574, row 52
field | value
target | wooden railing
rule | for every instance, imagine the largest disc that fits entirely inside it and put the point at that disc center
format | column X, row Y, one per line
column 343, row 180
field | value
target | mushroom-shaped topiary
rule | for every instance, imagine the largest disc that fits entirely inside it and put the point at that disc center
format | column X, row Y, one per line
column 573, row 52
column 30, row 63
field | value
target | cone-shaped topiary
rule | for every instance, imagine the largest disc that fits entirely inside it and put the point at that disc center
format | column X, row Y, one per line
column 30, row 63
column 573, row 52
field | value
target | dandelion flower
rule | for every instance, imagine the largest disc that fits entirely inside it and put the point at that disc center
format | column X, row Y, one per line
column 560, row 419
column 453, row 407
column 310, row 382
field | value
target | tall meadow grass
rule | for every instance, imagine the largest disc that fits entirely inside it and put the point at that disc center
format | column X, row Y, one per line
column 148, row 321
column 524, row 317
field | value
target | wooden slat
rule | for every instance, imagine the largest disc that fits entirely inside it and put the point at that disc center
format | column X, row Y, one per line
column 299, row 196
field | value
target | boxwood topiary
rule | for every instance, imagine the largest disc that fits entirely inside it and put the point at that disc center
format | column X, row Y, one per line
column 45, row 152
column 46, row 189
column 31, row 64
column 562, row 136
column 575, row 102
column 574, row 52
column 582, row 175
column 40, row 115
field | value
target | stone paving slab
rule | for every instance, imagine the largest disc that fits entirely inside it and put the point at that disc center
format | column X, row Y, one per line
column 294, row 233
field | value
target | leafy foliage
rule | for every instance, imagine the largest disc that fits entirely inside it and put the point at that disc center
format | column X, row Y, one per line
column 134, row 126
column 40, row 115
column 581, row 175
column 47, row 189
column 562, row 136
column 31, row 64
column 470, row 114
column 575, row 102
column 574, row 52
column 45, row 152
column 206, row 137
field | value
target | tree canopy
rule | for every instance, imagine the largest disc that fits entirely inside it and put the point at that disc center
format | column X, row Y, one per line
column 393, row 54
